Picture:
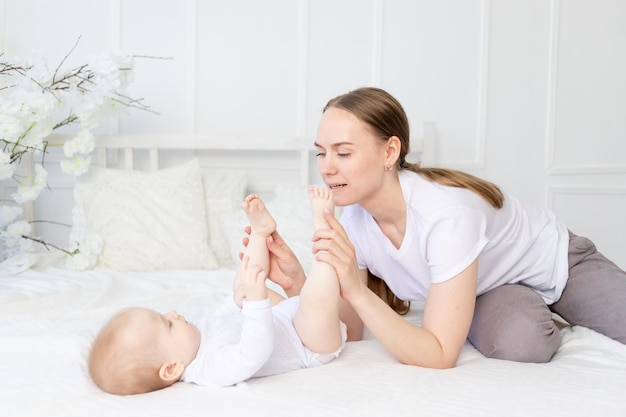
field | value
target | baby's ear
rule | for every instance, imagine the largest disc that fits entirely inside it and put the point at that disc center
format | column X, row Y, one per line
column 171, row 372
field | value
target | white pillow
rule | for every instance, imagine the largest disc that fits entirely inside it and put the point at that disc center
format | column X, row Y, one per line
column 141, row 221
column 224, row 194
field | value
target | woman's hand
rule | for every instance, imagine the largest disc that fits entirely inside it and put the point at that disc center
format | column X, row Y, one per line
column 285, row 269
column 334, row 247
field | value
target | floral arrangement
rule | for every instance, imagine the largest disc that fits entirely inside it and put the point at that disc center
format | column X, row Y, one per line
column 35, row 100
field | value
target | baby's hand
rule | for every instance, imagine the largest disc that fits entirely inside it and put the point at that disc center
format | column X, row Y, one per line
column 253, row 283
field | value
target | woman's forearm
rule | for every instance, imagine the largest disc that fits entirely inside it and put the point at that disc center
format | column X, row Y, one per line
column 410, row 344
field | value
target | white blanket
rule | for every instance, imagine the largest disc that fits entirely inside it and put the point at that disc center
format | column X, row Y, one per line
column 49, row 316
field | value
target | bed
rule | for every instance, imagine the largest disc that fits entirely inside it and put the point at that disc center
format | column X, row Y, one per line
column 52, row 305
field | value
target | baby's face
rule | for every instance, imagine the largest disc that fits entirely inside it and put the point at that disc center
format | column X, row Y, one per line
column 179, row 340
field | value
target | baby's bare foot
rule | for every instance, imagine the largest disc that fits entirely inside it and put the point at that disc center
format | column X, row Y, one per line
column 321, row 198
column 261, row 221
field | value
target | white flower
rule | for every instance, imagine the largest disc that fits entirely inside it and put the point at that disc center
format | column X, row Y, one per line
column 83, row 143
column 41, row 177
column 76, row 166
column 13, row 235
column 89, row 114
column 10, row 127
column 36, row 70
column 8, row 214
column 110, row 74
column 34, row 101
column 7, row 169
column 31, row 192
column 34, row 104
column 114, row 71
column 24, row 194
column 86, row 252
column 35, row 135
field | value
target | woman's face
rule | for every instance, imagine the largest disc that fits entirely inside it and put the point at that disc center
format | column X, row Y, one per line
column 351, row 159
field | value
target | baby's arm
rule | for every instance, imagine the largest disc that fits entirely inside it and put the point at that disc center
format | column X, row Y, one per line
column 253, row 283
column 236, row 362
column 249, row 283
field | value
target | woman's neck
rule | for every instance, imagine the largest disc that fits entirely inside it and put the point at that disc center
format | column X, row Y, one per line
column 388, row 208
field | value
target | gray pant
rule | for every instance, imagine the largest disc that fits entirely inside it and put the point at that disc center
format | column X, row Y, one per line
column 513, row 322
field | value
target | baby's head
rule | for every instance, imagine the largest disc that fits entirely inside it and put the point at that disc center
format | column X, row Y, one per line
column 140, row 350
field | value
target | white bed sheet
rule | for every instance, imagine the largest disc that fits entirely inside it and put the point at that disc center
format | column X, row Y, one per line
column 49, row 315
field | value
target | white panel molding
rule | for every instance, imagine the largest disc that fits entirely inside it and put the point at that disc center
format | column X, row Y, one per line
column 3, row 18
column 56, row 185
column 289, row 165
column 116, row 45
column 30, row 212
column 596, row 169
column 483, row 83
column 480, row 160
column 191, row 142
column 552, row 191
column 303, row 67
column 378, row 17
column 552, row 75
column 191, row 73
column 552, row 167
column 116, row 25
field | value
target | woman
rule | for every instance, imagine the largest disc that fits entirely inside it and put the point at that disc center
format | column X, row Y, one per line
column 488, row 269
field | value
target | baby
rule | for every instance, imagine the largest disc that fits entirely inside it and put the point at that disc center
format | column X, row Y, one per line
column 255, row 333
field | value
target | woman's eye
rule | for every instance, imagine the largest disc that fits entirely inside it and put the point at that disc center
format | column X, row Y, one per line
column 343, row 155
column 320, row 154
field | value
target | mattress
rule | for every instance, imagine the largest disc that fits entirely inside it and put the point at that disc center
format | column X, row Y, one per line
column 49, row 316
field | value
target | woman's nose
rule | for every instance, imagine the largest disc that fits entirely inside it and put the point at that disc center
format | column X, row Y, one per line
column 172, row 314
column 326, row 165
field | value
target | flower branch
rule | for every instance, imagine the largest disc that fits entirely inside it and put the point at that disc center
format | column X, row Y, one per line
column 31, row 98
column 49, row 245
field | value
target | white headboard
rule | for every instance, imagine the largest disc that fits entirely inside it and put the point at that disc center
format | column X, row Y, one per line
column 268, row 160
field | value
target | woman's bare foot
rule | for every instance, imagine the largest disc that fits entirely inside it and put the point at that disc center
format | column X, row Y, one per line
column 321, row 198
column 261, row 221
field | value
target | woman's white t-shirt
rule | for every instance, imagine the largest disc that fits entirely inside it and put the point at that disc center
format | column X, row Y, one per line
column 447, row 228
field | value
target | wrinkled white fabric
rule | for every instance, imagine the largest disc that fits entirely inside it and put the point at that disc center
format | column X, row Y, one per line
column 48, row 318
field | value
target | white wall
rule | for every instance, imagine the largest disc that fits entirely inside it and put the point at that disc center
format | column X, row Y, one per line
column 528, row 93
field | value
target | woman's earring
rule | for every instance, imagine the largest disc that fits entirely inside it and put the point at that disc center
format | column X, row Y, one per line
column 388, row 168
